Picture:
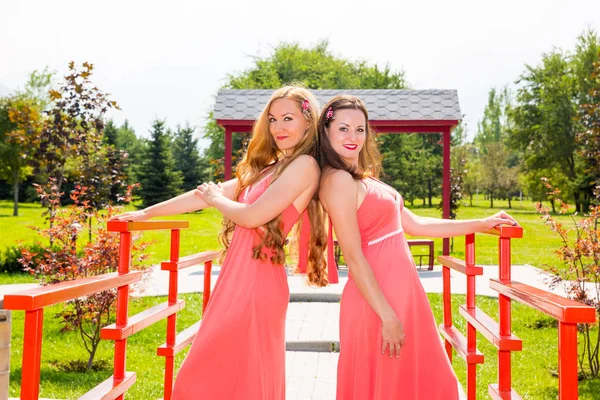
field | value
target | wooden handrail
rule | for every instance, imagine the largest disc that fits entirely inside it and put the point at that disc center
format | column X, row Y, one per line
column 563, row 309
column 40, row 297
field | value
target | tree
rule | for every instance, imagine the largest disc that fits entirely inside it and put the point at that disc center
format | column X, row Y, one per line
column 37, row 87
column 110, row 135
column 396, row 159
column 20, row 127
column 589, row 122
column 187, row 158
column 580, row 252
column 62, row 262
column 493, row 126
column 412, row 164
column 316, row 68
column 113, row 162
column 473, row 176
column 459, row 134
column 134, row 148
column 499, row 170
column 75, row 118
column 493, row 169
column 457, row 177
column 160, row 180
column 545, row 123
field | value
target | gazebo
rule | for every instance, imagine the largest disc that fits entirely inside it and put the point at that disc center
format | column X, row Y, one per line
column 390, row 111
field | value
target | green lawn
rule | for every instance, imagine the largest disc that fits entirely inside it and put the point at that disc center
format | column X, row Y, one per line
column 536, row 248
column 202, row 234
column 141, row 354
column 532, row 368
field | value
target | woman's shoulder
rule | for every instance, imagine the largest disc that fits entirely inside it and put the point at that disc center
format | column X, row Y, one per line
column 304, row 165
column 306, row 160
column 336, row 179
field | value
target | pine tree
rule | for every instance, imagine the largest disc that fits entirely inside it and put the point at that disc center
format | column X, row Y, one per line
column 135, row 149
column 110, row 134
column 117, row 159
column 187, row 157
column 159, row 179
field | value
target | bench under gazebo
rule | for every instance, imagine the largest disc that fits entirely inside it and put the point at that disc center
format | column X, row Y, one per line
column 390, row 111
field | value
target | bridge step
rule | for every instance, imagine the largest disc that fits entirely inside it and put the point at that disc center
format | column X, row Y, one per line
column 313, row 327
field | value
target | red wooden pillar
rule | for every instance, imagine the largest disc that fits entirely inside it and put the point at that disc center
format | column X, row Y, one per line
column 122, row 307
column 504, row 364
column 447, row 298
column 172, row 319
column 471, row 330
column 446, row 183
column 567, row 361
column 207, row 277
column 32, row 353
column 228, row 152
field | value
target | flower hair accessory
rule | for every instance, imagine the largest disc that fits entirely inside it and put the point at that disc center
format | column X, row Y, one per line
column 305, row 106
column 329, row 115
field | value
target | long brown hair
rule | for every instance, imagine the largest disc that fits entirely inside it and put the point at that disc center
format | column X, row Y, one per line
column 369, row 158
column 262, row 152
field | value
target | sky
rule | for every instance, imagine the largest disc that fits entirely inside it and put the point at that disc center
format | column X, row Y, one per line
column 167, row 60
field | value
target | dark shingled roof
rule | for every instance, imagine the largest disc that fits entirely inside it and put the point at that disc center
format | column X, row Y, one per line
column 383, row 104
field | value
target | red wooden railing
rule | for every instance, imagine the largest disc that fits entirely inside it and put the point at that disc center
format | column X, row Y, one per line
column 33, row 302
column 568, row 313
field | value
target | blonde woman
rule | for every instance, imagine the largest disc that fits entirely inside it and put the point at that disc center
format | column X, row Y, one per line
column 239, row 351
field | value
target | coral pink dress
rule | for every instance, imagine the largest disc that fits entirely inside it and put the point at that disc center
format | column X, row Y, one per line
column 423, row 370
column 239, row 350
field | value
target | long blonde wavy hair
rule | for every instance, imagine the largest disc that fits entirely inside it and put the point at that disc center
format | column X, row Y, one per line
column 262, row 152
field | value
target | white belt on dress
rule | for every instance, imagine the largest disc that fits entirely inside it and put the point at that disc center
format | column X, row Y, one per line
column 382, row 238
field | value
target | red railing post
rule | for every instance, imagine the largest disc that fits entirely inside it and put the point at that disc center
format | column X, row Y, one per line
column 446, row 181
column 568, row 313
column 504, row 356
column 228, row 152
column 207, row 278
column 447, row 299
column 172, row 319
column 32, row 352
column 33, row 301
column 471, row 331
column 567, row 361
column 120, row 361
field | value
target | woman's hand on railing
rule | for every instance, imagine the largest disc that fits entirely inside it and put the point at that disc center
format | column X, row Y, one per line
column 392, row 333
column 140, row 215
column 500, row 218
